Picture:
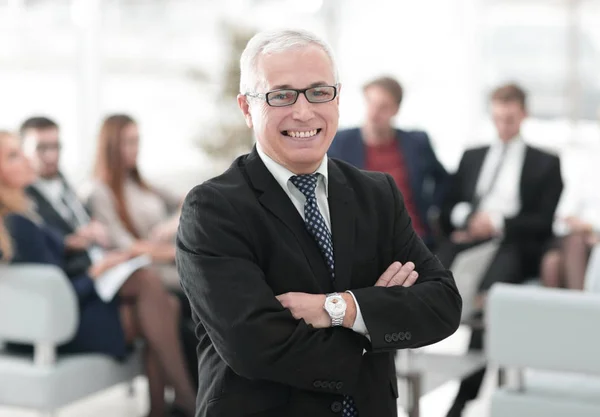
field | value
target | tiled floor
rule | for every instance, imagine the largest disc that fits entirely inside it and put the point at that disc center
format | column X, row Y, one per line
column 117, row 403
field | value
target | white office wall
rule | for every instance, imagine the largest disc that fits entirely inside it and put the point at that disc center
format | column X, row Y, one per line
column 147, row 52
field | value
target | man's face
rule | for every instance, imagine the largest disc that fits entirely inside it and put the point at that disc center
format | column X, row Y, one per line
column 381, row 108
column 42, row 146
column 508, row 117
column 299, row 135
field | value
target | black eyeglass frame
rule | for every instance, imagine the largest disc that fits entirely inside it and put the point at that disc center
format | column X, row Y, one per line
column 265, row 96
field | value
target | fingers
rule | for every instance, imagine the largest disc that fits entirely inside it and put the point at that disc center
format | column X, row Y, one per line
column 402, row 275
column 389, row 273
column 412, row 278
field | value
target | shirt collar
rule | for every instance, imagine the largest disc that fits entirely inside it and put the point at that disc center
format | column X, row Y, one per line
column 514, row 142
column 282, row 174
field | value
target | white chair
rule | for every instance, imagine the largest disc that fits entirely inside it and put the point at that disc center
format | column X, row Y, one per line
column 39, row 307
column 547, row 341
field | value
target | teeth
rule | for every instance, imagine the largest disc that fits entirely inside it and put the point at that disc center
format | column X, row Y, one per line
column 308, row 134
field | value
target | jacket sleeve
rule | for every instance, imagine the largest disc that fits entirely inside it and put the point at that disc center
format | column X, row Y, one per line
column 453, row 195
column 427, row 312
column 247, row 325
column 538, row 223
column 440, row 175
column 32, row 245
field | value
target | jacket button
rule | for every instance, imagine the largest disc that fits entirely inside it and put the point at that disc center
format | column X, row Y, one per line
column 388, row 338
column 332, row 385
column 336, row 406
column 407, row 335
column 317, row 384
column 395, row 337
column 401, row 336
column 339, row 386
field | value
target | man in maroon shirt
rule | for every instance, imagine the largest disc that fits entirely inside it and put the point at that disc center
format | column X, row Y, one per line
column 406, row 155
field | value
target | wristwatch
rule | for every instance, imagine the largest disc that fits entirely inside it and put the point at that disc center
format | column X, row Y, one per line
column 336, row 308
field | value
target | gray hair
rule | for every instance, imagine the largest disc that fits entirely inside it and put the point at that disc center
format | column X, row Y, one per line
column 272, row 42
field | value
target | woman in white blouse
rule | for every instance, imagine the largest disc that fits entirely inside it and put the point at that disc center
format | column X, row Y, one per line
column 577, row 223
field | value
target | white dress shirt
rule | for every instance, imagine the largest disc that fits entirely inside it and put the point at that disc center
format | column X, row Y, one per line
column 503, row 199
column 581, row 196
column 282, row 175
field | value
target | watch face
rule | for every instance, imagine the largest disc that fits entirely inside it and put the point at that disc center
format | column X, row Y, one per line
column 336, row 306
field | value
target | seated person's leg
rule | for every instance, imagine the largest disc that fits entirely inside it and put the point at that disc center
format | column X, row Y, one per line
column 505, row 267
column 576, row 253
column 551, row 268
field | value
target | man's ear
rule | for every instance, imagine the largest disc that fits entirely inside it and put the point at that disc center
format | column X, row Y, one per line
column 245, row 108
column 339, row 90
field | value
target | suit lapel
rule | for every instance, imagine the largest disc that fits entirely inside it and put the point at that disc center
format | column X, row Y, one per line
column 275, row 200
column 475, row 172
column 527, row 173
column 47, row 211
column 343, row 217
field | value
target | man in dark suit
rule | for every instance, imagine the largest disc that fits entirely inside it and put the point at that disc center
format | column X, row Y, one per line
column 406, row 155
column 508, row 191
column 302, row 270
column 55, row 200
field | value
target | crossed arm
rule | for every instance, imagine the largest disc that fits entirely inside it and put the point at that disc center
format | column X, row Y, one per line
column 259, row 334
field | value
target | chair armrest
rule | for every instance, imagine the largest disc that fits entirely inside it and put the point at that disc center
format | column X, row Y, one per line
column 37, row 305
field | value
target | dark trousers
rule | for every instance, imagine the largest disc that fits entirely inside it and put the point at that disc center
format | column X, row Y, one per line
column 188, row 336
column 507, row 266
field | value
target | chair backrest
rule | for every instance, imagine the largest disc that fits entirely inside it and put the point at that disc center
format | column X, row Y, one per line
column 37, row 305
column 543, row 328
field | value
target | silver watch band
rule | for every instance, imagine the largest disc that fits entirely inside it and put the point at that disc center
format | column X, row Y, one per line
column 338, row 321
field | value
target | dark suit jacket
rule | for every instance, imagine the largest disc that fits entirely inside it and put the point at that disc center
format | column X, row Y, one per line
column 540, row 188
column 76, row 262
column 241, row 242
column 428, row 178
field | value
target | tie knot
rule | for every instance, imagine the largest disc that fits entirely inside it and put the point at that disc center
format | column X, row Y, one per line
column 306, row 183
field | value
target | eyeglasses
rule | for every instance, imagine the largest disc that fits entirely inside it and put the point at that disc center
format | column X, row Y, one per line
column 288, row 96
column 48, row 147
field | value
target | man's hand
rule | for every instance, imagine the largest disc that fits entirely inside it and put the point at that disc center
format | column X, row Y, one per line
column 309, row 307
column 75, row 242
column 578, row 226
column 481, row 226
column 460, row 236
column 398, row 274
column 95, row 233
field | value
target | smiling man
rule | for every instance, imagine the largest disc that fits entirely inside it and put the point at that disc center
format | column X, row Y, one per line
column 304, row 274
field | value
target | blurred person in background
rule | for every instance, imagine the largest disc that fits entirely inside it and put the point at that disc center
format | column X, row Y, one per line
column 55, row 200
column 137, row 215
column 508, row 191
column 576, row 225
column 406, row 155
column 142, row 309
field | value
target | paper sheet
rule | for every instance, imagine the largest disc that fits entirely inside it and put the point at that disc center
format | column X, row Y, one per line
column 111, row 280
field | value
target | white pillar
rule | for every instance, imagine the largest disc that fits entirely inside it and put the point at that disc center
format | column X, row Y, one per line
column 86, row 16
column 573, row 82
column 474, row 16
